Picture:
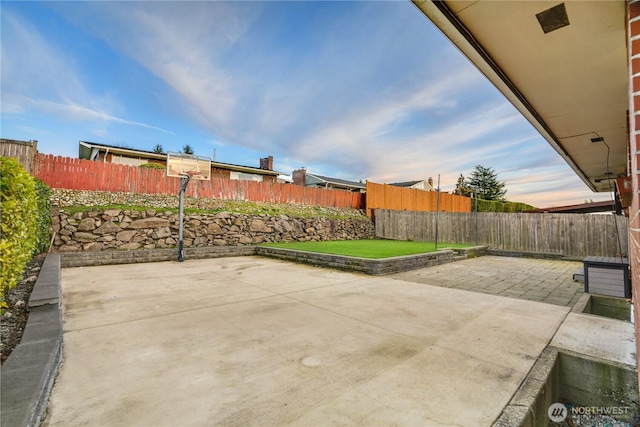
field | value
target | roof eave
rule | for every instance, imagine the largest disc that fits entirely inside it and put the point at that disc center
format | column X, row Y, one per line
column 445, row 20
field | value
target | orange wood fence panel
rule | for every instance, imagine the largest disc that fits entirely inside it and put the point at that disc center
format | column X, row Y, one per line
column 384, row 196
column 80, row 174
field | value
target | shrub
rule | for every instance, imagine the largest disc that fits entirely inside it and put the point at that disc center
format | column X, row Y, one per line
column 18, row 225
column 496, row 206
column 153, row 166
column 43, row 220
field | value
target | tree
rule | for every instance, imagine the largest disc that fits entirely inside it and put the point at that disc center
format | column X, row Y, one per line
column 158, row 149
column 462, row 189
column 485, row 182
column 186, row 149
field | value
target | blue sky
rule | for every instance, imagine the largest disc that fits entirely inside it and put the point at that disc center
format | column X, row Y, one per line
column 353, row 90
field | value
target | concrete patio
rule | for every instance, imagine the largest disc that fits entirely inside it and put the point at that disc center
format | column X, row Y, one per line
column 250, row 340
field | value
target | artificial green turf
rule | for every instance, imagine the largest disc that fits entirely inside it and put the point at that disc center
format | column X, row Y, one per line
column 367, row 248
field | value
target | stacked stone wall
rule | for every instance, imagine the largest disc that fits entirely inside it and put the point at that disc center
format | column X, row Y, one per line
column 109, row 229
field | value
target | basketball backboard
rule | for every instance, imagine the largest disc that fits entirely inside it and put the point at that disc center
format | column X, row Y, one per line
column 179, row 164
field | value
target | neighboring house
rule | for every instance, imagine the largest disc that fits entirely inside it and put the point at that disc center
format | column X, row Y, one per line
column 417, row 185
column 128, row 156
column 302, row 177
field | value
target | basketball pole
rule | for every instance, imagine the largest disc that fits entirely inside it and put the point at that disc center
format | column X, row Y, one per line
column 184, row 180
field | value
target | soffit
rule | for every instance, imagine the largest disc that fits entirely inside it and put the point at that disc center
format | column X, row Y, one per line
column 570, row 83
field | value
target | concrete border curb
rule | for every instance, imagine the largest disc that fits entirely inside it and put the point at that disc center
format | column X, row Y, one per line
column 363, row 265
column 28, row 374
column 85, row 259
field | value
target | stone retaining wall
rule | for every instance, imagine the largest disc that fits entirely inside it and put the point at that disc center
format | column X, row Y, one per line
column 100, row 230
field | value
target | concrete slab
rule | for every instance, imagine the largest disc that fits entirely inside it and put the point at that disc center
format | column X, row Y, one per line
column 599, row 337
column 250, row 340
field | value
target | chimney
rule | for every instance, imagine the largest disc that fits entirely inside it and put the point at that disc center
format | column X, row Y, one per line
column 299, row 176
column 267, row 163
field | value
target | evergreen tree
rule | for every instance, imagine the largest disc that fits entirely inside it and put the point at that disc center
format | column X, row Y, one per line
column 187, row 149
column 158, row 149
column 462, row 189
column 485, row 182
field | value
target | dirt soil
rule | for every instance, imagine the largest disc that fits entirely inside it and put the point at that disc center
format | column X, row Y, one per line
column 14, row 319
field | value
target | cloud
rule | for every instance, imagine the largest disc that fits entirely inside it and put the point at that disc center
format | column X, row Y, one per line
column 39, row 76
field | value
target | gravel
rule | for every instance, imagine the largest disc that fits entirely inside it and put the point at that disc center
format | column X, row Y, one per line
column 14, row 318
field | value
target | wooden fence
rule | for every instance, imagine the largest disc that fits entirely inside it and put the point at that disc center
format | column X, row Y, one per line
column 77, row 174
column 23, row 151
column 384, row 196
column 573, row 235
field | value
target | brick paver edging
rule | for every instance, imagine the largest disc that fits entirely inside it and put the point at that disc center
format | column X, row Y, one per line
column 364, row 265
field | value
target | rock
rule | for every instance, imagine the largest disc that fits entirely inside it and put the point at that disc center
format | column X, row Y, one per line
column 92, row 247
column 162, row 232
column 130, row 246
column 84, row 237
column 219, row 242
column 245, row 240
column 107, row 227
column 200, row 241
column 112, row 212
column 125, row 235
column 214, row 229
column 258, row 225
column 87, row 224
column 171, row 241
column 71, row 247
column 149, row 223
column 151, row 212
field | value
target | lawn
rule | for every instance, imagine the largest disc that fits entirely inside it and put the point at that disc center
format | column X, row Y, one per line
column 367, row 248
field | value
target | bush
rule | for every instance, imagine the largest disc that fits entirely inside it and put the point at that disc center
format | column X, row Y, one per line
column 18, row 225
column 495, row 206
column 153, row 166
column 43, row 220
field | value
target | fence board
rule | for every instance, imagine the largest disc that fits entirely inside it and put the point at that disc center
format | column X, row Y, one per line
column 383, row 196
column 23, row 151
column 572, row 235
column 79, row 174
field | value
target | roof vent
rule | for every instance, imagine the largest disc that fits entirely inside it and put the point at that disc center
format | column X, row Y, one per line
column 553, row 19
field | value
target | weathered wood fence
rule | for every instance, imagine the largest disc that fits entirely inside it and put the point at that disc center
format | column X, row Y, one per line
column 384, row 196
column 77, row 174
column 23, row 151
column 572, row 235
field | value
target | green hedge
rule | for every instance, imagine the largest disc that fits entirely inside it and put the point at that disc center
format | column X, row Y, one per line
column 24, row 224
column 43, row 220
column 153, row 166
column 495, row 206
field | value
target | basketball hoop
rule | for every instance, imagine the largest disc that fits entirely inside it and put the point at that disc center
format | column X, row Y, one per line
column 197, row 167
column 186, row 167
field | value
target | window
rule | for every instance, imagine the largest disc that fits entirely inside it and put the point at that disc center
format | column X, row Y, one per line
column 246, row 176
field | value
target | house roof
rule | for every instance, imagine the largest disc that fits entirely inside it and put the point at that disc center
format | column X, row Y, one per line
column 337, row 181
column 606, row 206
column 569, row 80
column 86, row 146
column 406, row 183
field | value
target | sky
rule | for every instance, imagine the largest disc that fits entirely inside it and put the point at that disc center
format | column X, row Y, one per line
column 357, row 90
